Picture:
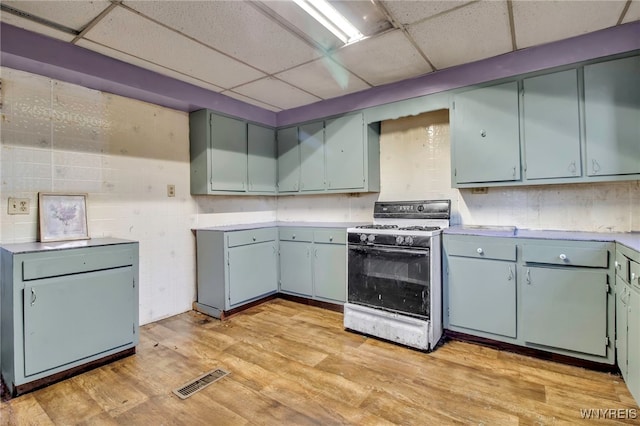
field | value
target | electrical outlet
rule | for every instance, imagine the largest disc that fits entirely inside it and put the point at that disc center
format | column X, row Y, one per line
column 171, row 190
column 481, row 190
column 18, row 206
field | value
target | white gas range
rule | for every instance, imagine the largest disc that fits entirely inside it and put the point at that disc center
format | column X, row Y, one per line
column 395, row 274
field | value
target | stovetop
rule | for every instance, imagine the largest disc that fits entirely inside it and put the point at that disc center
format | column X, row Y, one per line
column 422, row 228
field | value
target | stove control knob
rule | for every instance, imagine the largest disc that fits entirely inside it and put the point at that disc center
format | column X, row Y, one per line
column 363, row 237
column 400, row 239
column 408, row 241
column 420, row 208
column 372, row 238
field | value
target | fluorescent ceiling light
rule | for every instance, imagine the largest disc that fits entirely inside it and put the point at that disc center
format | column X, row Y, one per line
column 331, row 19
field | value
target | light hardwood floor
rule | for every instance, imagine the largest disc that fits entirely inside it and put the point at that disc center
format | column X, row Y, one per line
column 294, row 364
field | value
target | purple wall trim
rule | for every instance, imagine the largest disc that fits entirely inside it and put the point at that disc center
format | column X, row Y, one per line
column 35, row 53
column 38, row 54
column 610, row 41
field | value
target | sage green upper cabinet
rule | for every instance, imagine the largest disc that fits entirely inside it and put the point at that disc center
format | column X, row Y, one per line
column 228, row 153
column 344, row 152
column 612, row 105
column 261, row 161
column 288, row 160
column 551, row 126
column 485, row 134
column 311, row 137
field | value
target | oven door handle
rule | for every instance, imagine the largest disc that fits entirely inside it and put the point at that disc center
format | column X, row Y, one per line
column 369, row 249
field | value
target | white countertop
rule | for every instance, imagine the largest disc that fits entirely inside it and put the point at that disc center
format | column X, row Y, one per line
column 244, row 226
column 629, row 239
column 62, row 245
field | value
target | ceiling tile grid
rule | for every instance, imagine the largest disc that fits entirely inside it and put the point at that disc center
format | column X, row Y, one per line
column 251, row 101
column 276, row 92
column 383, row 59
column 477, row 31
column 323, row 78
column 169, row 49
column 538, row 22
column 35, row 27
column 408, row 12
column 633, row 13
column 72, row 14
column 235, row 28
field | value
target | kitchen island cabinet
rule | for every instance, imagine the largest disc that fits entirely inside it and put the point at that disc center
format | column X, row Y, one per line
column 65, row 305
column 551, row 295
column 235, row 268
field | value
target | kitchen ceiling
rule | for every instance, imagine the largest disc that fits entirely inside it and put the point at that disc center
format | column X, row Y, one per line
column 270, row 54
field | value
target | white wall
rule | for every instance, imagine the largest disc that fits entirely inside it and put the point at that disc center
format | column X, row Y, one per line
column 60, row 137
column 415, row 163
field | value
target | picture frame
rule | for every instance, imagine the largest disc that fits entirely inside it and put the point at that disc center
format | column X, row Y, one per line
column 62, row 217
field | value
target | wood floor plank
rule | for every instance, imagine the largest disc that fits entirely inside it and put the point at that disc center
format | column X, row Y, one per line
column 294, row 364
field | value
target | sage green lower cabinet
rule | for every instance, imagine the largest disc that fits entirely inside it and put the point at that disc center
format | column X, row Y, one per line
column 313, row 263
column 565, row 309
column 487, row 304
column 235, row 268
column 65, row 307
column 628, row 317
column 551, row 295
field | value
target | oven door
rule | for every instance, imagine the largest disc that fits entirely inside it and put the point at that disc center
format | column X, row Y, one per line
column 395, row 279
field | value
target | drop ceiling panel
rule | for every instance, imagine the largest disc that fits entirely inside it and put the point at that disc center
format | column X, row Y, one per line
column 169, row 49
column 124, row 57
column 276, row 92
column 384, row 59
column 235, row 28
column 477, row 31
column 72, row 14
column 35, row 27
column 324, row 78
column 538, row 22
column 248, row 100
column 409, row 12
column 633, row 13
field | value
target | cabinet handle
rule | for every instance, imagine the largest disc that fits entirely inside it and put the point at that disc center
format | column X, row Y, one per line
column 617, row 265
column 33, row 297
column 315, row 253
column 330, row 238
column 483, row 133
column 293, row 237
column 308, row 252
column 479, row 250
column 528, row 277
column 254, row 238
column 633, row 276
column 510, row 276
column 513, row 172
column 563, row 256
column 572, row 167
column 595, row 166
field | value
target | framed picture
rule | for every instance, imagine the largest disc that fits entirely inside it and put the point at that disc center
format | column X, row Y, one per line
column 63, row 217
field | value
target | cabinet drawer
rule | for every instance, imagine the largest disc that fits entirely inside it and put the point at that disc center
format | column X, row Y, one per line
column 565, row 255
column 634, row 272
column 295, row 234
column 240, row 238
column 483, row 248
column 331, row 236
column 55, row 266
column 622, row 267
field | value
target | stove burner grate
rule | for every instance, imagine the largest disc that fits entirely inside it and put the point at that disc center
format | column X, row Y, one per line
column 420, row 228
column 377, row 227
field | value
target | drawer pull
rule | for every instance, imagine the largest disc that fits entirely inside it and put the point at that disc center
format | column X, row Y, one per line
column 479, row 250
column 510, row 276
column 330, row 238
column 293, row 237
column 254, row 238
column 563, row 256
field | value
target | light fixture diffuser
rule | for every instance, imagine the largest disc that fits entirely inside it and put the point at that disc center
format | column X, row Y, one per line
column 331, row 19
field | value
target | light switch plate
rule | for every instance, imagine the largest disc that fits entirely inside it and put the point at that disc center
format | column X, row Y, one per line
column 18, row 206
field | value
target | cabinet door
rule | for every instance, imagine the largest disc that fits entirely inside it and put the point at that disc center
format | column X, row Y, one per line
column 72, row 317
column 633, row 342
column 253, row 271
column 622, row 299
column 551, row 126
column 228, row 154
column 344, row 152
column 261, row 163
column 565, row 309
column 482, row 295
column 288, row 160
column 295, row 268
column 612, row 107
column 486, row 134
column 330, row 271
column 311, row 156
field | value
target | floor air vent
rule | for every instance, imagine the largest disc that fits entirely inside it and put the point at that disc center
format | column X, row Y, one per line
column 188, row 389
